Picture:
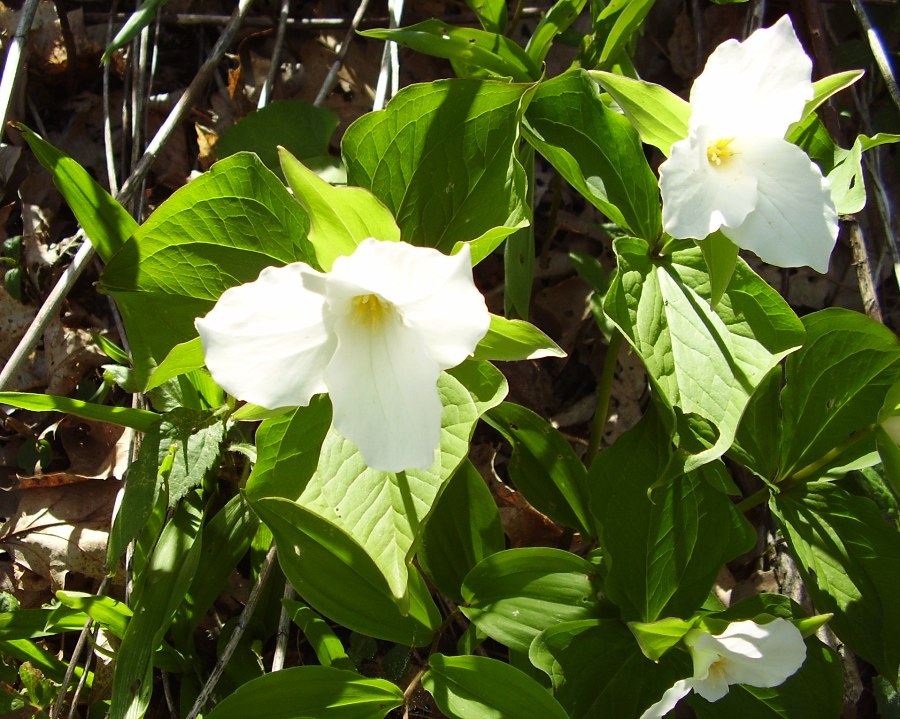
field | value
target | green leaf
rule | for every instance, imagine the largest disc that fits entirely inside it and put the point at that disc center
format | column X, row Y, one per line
column 544, row 467
column 141, row 492
column 514, row 595
column 720, row 255
column 486, row 50
column 662, row 550
column 340, row 217
column 25, row 650
column 596, row 150
column 847, row 555
column 324, row 642
column 36, row 623
column 106, row 223
column 510, row 340
column 109, row 612
column 332, row 572
column 847, row 181
column 555, row 21
column 828, row 86
column 704, row 362
column 658, row 637
column 136, row 22
column 660, row 116
column 835, row 385
column 631, row 14
column 464, row 529
column 140, row 419
column 757, row 444
column 491, row 14
column 417, row 156
column 597, row 664
column 518, row 253
column 183, row 358
column 474, row 687
column 218, row 231
column 157, row 595
column 193, row 439
column 385, row 512
column 302, row 129
column 312, row 691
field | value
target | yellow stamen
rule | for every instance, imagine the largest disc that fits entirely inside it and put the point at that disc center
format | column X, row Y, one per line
column 718, row 153
column 369, row 309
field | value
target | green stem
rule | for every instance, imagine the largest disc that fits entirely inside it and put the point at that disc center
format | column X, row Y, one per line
column 604, row 392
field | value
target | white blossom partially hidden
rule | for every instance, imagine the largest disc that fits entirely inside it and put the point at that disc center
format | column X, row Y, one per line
column 759, row 655
column 735, row 171
column 375, row 333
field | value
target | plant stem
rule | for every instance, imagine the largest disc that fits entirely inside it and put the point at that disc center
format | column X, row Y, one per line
column 604, row 392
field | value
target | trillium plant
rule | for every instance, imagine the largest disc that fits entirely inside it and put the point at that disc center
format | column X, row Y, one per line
column 323, row 367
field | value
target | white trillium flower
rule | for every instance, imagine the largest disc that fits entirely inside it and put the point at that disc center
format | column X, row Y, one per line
column 760, row 655
column 374, row 333
column 735, row 171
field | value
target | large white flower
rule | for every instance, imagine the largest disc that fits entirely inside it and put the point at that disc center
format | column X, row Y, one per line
column 735, row 171
column 375, row 333
column 761, row 655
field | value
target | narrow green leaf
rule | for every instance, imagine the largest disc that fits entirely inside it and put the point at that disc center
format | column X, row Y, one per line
column 106, row 223
column 464, row 529
column 720, row 255
column 313, row 691
column 139, row 419
column 544, row 467
column 627, row 22
column 184, row 357
column 487, row 50
column 847, row 555
column 474, row 687
column 831, row 85
column 340, row 217
column 510, row 340
column 660, row 116
column 417, row 157
column 142, row 488
column 492, row 14
column 555, row 21
column 35, row 623
column 516, row 594
column 136, row 22
column 324, row 642
column 26, row 650
column 109, row 612
column 596, row 150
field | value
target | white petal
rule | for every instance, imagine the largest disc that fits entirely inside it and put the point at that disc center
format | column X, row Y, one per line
column 435, row 293
column 383, row 388
column 672, row 696
column 761, row 655
column 698, row 198
column 758, row 86
column 794, row 222
column 265, row 341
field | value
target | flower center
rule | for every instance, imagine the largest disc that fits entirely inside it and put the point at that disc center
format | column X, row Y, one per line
column 718, row 153
column 369, row 310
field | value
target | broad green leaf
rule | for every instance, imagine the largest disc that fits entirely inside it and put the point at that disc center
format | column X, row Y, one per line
column 662, row 550
column 596, row 150
column 597, row 664
column 474, row 687
column 482, row 247
column 704, row 362
column 847, row 181
column 660, row 116
column 758, row 440
column 514, row 595
column 340, row 217
column 140, row 419
column 109, row 612
column 720, row 255
column 491, row 14
column 464, row 529
column 193, row 439
column 835, row 385
column 157, row 594
column 311, row 691
column 518, row 253
column 336, row 576
column 847, row 555
column 106, row 223
column 136, row 22
column 184, row 357
column 555, row 21
column 657, row 638
column 324, row 642
column 218, row 231
column 509, row 340
column 417, row 156
column 385, row 512
column 543, row 466
column 485, row 50
column 288, row 449
column 302, row 129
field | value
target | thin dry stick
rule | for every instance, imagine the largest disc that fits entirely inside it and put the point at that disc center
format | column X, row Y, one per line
column 389, row 77
column 268, row 87
column 236, row 636
column 86, row 250
column 881, row 57
column 331, row 77
column 111, row 177
column 14, row 61
column 283, row 633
